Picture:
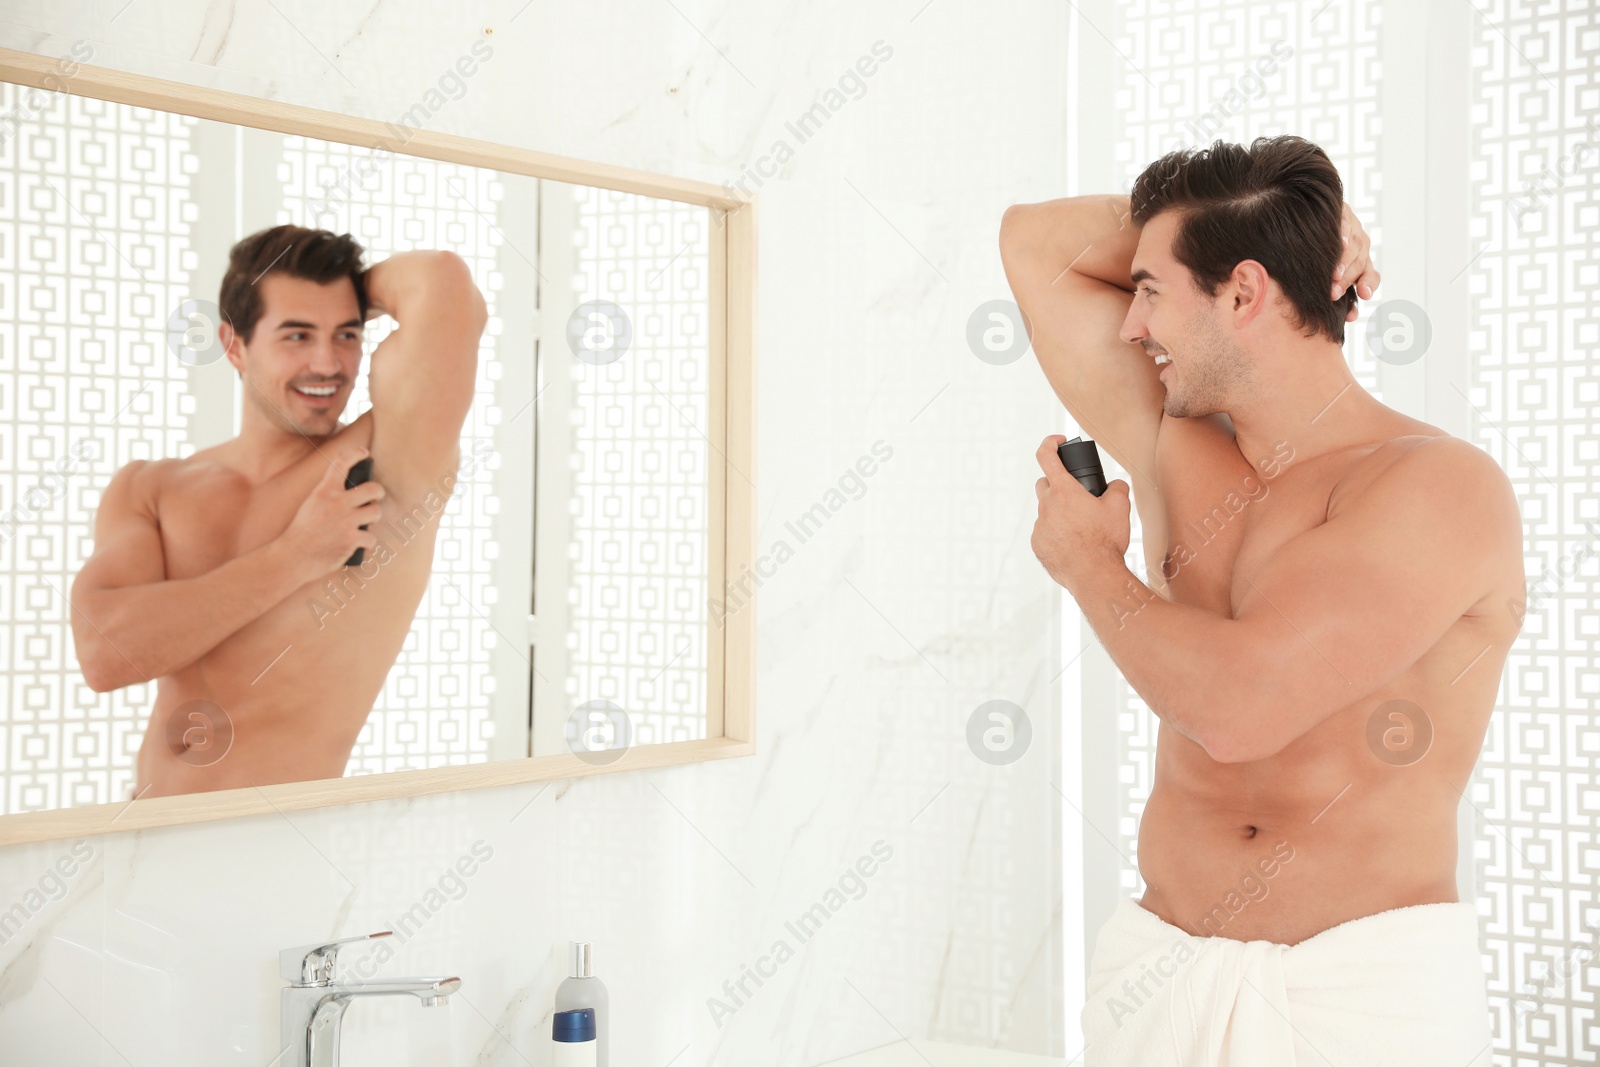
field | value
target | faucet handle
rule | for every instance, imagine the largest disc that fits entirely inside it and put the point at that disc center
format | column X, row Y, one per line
column 313, row 964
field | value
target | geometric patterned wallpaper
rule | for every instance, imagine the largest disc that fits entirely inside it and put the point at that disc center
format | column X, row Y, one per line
column 637, row 605
column 94, row 226
column 1534, row 340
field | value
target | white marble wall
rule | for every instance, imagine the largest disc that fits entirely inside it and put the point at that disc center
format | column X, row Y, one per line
column 912, row 606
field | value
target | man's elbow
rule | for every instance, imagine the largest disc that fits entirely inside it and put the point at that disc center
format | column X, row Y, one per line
column 100, row 684
column 1234, row 746
column 1202, row 721
column 1014, row 227
column 1261, row 725
column 455, row 275
column 103, row 671
column 1235, row 737
column 450, row 268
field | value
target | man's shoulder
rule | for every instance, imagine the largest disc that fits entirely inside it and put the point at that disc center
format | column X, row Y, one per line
column 148, row 481
column 142, row 477
column 1416, row 458
column 1434, row 462
column 152, row 476
column 1452, row 494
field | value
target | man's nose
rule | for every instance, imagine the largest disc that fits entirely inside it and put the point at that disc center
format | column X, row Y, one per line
column 1132, row 330
column 324, row 360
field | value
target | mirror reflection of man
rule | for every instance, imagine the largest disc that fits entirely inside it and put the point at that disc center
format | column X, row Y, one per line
column 207, row 571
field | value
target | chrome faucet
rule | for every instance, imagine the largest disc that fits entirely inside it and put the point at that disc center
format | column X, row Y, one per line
column 312, row 1005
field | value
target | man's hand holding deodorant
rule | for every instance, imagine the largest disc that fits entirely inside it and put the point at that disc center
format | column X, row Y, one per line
column 1083, row 521
column 332, row 526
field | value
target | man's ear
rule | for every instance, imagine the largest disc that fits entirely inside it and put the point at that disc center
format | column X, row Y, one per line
column 1252, row 291
column 232, row 346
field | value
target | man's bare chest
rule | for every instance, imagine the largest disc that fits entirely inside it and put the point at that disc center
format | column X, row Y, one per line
column 1227, row 516
column 208, row 512
column 210, row 515
column 353, row 616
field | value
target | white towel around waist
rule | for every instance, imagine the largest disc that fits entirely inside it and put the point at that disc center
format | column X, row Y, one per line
column 1403, row 987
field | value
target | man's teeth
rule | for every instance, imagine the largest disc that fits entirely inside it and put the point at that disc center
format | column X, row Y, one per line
column 1163, row 359
column 317, row 390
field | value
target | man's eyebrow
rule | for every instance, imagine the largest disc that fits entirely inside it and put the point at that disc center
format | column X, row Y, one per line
column 298, row 325
column 1143, row 275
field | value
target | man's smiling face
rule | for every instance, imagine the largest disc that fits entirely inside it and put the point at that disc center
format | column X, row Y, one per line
column 303, row 358
column 1173, row 320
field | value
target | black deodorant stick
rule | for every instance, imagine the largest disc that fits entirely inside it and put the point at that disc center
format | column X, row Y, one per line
column 361, row 472
column 1082, row 461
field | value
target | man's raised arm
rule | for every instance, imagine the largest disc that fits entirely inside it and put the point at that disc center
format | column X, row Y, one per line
column 1069, row 262
column 422, row 375
column 131, row 624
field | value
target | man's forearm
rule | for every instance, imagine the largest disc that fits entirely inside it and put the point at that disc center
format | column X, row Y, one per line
column 1181, row 659
column 407, row 280
column 139, row 633
column 1090, row 235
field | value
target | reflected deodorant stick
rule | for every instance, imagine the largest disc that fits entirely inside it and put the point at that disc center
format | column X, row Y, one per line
column 361, row 472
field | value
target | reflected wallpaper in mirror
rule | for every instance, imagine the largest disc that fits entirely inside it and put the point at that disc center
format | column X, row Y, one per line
column 566, row 607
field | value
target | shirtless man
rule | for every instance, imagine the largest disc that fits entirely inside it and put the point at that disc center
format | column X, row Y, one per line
column 1323, row 638
column 208, row 572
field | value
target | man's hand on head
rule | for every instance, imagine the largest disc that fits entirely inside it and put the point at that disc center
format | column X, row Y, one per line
column 1075, row 528
column 1355, row 262
column 374, row 308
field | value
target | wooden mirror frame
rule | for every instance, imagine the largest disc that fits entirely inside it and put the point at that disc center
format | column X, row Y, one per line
column 730, row 697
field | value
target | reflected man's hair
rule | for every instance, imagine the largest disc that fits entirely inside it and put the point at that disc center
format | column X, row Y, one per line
column 315, row 255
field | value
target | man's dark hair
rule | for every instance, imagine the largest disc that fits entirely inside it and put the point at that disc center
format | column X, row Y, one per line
column 1277, row 202
column 316, row 255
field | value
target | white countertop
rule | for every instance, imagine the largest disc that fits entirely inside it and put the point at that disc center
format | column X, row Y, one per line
column 940, row 1054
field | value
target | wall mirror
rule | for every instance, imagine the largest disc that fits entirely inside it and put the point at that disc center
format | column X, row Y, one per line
column 577, row 617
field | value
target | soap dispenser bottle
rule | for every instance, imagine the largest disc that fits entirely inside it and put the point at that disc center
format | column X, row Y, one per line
column 582, row 989
column 572, row 1041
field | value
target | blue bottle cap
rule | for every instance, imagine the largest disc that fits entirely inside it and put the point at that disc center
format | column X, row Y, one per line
column 574, row 1025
